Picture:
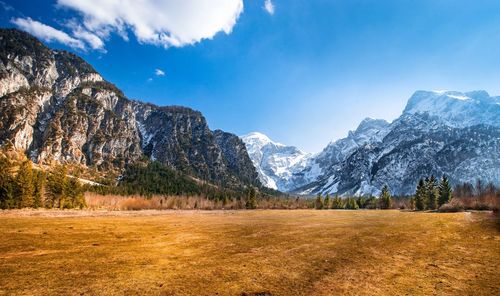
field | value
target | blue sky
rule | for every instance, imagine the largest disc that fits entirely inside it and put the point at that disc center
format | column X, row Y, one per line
column 304, row 72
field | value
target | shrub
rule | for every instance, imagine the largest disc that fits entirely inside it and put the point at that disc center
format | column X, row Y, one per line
column 451, row 207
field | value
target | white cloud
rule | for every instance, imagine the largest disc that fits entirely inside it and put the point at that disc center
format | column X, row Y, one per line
column 160, row 22
column 159, row 72
column 90, row 38
column 47, row 33
column 269, row 7
column 94, row 41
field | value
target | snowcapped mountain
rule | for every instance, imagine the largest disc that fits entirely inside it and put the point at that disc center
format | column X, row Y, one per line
column 369, row 131
column 439, row 132
column 455, row 108
column 416, row 146
column 326, row 162
column 275, row 162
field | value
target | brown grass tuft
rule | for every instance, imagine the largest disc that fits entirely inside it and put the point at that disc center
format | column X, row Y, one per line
column 97, row 201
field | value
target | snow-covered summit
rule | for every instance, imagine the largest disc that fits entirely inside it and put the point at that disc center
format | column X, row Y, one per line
column 275, row 162
column 258, row 139
column 457, row 109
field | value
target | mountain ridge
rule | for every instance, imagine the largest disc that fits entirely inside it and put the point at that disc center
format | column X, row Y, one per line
column 356, row 164
column 56, row 107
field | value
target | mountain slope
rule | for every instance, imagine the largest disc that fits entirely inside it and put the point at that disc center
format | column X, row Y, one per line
column 327, row 161
column 56, row 107
column 417, row 146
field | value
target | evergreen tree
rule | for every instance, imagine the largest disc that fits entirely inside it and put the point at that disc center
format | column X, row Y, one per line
column 351, row 204
column 6, row 184
column 337, row 202
column 74, row 194
column 371, row 202
column 24, row 186
column 385, row 198
column 57, row 187
column 251, row 199
column 445, row 193
column 421, row 196
column 38, row 183
column 326, row 203
column 432, row 193
column 319, row 202
column 361, row 202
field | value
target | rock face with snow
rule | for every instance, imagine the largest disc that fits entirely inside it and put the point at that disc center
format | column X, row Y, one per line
column 452, row 133
column 56, row 107
column 457, row 109
column 328, row 161
column 416, row 146
column 275, row 162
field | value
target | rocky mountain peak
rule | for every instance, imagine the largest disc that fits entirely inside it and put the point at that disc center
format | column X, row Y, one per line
column 275, row 162
column 56, row 107
column 456, row 108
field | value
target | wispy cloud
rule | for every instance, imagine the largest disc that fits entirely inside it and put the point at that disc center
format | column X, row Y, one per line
column 269, row 7
column 6, row 6
column 91, row 39
column 159, row 72
column 47, row 33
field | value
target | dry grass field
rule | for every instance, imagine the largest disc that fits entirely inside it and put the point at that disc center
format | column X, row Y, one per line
column 270, row 252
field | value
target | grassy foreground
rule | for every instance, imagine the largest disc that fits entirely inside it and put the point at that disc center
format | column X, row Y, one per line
column 301, row 252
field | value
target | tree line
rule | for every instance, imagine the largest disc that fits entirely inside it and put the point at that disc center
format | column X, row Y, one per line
column 431, row 194
column 22, row 186
column 384, row 201
column 154, row 178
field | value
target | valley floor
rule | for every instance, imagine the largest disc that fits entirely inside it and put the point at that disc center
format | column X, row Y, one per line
column 268, row 252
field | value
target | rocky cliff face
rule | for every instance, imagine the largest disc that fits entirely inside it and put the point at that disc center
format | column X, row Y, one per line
column 236, row 156
column 56, row 107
